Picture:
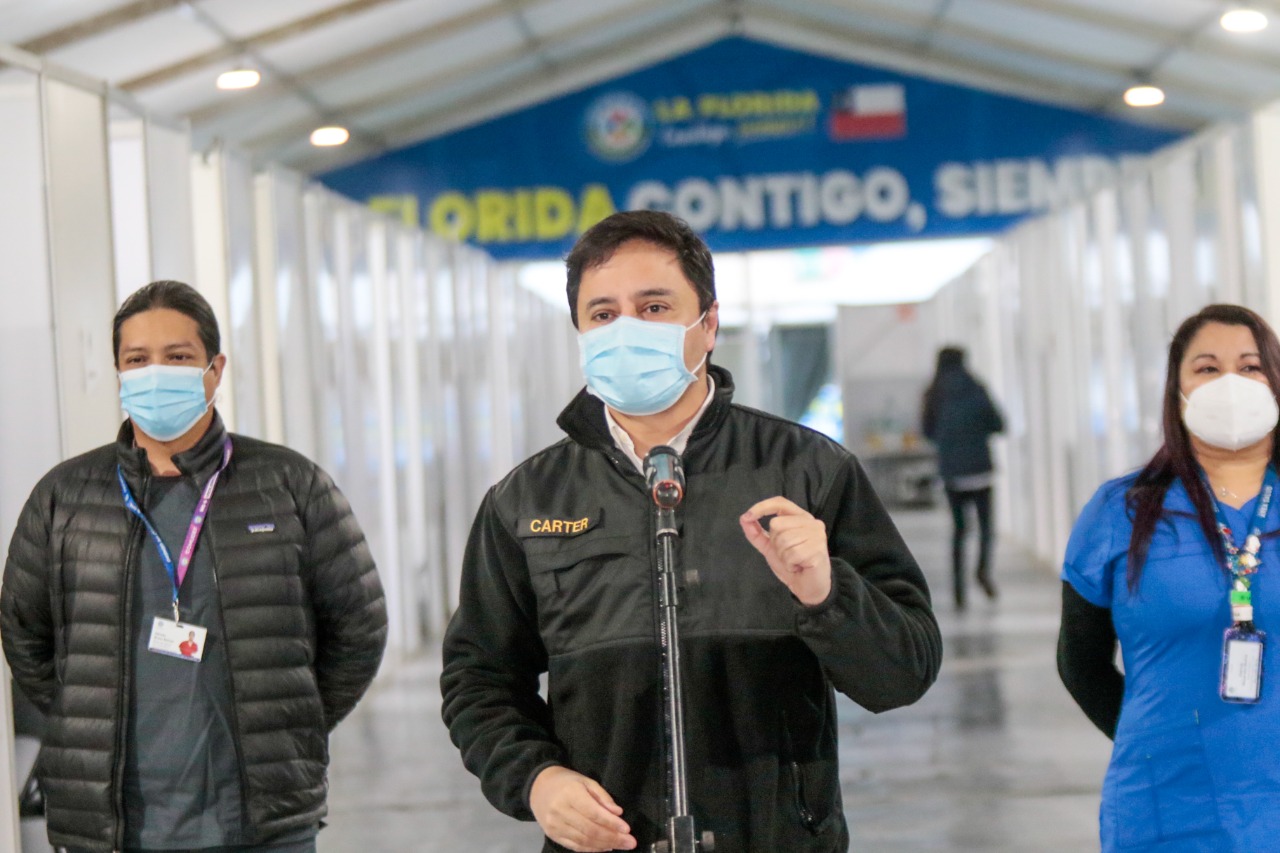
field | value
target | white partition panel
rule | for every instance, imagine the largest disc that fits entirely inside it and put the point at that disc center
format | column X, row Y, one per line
column 288, row 320
column 30, row 427
column 81, row 260
column 480, row 391
column 1147, row 318
column 241, row 335
column 384, row 419
column 504, row 396
column 1265, row 137
column 1222, row 216
column 169, row 202
column 131, row 230
column 222, row 192
column 1175, row 185
column 272, row 261
column 210, row 255
column 150, row 168
column 455, row 444
column 407, row 267
column 434, row 585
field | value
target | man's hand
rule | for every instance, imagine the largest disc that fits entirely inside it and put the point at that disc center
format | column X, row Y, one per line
column 574, row 811
column 795, row 547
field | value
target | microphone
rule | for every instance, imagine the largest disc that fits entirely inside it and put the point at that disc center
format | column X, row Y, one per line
column 664, row 476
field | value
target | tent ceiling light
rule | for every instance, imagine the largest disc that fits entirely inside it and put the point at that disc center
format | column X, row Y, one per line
column 1243, row 20
column 325, row 137
column 239, row 78
column 1144, row 95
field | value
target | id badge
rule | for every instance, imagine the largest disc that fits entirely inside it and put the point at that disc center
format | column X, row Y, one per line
column 1242, row 665
column 177, row 639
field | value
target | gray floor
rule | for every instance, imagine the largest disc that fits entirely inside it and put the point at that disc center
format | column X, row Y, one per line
column 995, row 758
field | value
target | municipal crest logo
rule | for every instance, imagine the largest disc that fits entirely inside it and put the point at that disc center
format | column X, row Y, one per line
column 618, row 127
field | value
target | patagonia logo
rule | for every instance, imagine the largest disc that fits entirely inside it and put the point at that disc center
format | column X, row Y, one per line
column 265, row 527
column 530, row 527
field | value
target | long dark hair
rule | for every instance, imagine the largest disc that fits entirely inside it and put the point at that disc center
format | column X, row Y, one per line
column 176, row 296
column 1175, row 458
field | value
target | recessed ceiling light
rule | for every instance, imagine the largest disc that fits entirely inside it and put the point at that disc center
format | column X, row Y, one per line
column 239, row 78
column 323, row 137
column 1243, row 20
column 1144, row 96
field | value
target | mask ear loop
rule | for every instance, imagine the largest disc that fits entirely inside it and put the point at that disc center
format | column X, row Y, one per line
column 686, row 331
column 217, row 392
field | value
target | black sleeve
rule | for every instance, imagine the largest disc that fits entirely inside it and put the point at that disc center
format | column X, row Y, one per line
column 350, row 609
column 26, row 609
column 875, row 635
column 493, row 656
column 1086, row 660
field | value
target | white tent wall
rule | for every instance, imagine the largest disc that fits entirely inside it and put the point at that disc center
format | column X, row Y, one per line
column 1068, row 319
column 30, row 428
column 151, row 211
column 223, row 207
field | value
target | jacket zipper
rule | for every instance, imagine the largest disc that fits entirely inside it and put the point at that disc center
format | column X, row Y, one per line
column 122, row 703
column 231, row 691
column 807, row 817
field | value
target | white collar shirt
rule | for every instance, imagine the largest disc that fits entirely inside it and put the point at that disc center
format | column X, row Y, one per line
column 678, row 442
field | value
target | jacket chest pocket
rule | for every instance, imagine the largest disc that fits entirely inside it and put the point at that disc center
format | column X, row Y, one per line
column 591, row 590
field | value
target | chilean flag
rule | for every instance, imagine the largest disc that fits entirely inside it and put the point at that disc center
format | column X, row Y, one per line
column 876, row 111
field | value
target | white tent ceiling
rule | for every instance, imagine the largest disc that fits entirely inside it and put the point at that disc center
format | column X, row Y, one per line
column 398, row 71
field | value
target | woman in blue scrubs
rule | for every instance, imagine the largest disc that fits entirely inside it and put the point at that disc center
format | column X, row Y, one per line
column 1180, row 563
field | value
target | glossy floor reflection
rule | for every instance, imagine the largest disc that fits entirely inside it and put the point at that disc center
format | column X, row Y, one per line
column 995, row 759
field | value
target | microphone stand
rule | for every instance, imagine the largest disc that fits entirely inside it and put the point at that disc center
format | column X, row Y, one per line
column 667, row 492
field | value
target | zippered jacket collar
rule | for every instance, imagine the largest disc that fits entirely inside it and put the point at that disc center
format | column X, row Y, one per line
column 583, row 419
column 200, row 460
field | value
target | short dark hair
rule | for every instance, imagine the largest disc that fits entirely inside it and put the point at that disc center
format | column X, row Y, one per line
column 950, row 358
column 175, row 296
column 598, row 243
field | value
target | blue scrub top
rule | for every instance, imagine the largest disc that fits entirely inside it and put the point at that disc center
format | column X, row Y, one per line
column 1189, row 772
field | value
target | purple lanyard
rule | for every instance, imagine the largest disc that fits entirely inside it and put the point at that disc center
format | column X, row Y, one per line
column 179, row 572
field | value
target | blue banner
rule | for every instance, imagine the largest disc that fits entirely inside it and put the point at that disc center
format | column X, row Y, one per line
column 757, row 147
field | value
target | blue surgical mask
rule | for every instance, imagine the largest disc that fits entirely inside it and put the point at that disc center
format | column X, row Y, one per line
column 637, row 366
column 162, row 400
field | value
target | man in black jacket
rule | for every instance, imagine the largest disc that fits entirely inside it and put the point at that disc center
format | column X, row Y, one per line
column 193, row 610
column 804, row 587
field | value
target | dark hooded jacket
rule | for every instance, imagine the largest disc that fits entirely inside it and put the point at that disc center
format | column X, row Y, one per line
column 558, row 578
column 302, row 613
column 959, row 418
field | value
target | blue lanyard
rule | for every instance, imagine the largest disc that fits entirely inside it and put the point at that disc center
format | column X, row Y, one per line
column 177, row 573
column 1242, row 561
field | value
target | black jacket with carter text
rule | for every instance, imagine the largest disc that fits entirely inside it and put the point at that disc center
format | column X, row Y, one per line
column 301, row 606
column 558, row 578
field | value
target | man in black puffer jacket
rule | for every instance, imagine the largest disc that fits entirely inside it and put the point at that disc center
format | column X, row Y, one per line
column 804, row 588
column 193, row 610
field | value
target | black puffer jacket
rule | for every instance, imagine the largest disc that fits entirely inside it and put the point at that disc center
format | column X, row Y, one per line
column 558, row 578
column 302, row 608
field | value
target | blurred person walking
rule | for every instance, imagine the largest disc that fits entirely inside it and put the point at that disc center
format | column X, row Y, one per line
column 1177, row 562
column 959, row 418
